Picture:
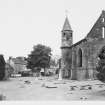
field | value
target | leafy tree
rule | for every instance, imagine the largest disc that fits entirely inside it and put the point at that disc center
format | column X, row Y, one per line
column 101, row 65
column 39, row 57
column 2, row 67
column 53, row 62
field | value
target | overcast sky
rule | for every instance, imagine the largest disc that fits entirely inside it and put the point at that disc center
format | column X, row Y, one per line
column 24, row 23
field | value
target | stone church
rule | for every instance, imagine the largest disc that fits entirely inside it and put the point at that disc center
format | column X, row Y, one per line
column 79, row 59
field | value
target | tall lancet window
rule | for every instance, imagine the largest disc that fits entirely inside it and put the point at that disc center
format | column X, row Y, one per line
column 103, row 20
column 103, row 28
column 79, row 58
column 103, row 32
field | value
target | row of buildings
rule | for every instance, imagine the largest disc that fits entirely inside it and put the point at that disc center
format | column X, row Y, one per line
column 18, row 64
column 12, row 66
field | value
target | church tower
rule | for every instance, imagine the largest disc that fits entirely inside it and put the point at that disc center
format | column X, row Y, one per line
column 67, row 32
column 66, row 42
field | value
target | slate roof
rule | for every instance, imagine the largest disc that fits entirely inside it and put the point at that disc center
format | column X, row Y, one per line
column 19, row 61
column 83, row 40
column 66, row 25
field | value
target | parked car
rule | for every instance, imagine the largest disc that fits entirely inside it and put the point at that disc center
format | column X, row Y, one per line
column 25, row 73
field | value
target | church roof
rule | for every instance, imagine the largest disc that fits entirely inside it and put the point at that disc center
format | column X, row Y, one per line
column 95, row 31
column 79, row 42
column 66, row 25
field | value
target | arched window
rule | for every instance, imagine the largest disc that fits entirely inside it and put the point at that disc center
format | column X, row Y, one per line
column 79, row 58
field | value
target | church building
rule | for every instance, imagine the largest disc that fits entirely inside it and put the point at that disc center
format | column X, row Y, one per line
column 79, row 60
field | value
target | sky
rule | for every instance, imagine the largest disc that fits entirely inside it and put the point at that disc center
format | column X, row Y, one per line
column 25, row 23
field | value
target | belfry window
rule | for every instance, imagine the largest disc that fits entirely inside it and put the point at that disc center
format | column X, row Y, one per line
column 67, row 38
column 64, row 34
column 71, row 35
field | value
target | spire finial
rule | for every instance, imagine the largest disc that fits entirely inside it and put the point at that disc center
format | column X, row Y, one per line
column 66, row 12
column 66, row 25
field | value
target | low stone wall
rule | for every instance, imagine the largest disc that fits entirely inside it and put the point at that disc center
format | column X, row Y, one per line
column 83, row 74
column 73, row 74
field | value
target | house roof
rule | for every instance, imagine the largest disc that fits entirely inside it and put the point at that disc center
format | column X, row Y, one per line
column 19, row 61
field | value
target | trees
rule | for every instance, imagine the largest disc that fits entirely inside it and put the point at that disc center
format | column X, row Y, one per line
column 101, row 65
column 53, row 62
column 39, row 57
column 2, row 67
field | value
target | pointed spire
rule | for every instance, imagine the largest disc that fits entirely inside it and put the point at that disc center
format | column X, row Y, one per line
column 103, row 14
column 66, row 25
column 103, row 11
